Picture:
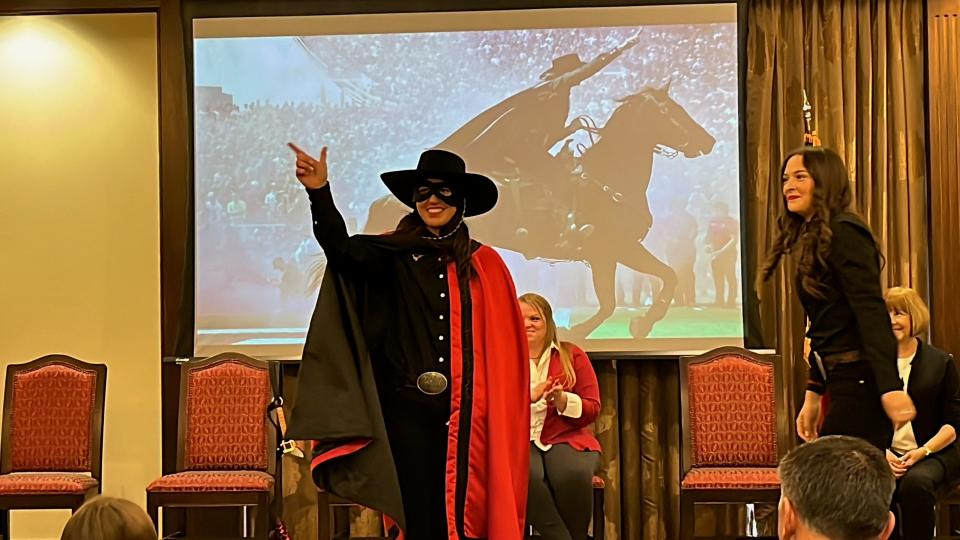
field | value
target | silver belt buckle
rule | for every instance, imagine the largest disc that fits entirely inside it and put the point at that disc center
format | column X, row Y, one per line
column 432, row 383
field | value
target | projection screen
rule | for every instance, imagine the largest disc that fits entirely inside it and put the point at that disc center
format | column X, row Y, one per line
column 629, row 222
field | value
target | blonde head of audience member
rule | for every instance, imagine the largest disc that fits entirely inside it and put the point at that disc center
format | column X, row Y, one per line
column 908, row 313
column 108, row 518
column 542, row 333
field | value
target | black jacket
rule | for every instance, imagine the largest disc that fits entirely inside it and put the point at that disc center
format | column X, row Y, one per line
column 934, row 386
column 853, row 315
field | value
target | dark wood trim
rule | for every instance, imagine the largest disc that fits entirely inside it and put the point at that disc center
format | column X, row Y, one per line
column 943, row 7
column 62, row 7
column 745, row 495
column 42, row 502
column 943, row 112
column 253, row 8
column 175, row 181
column 203, row 499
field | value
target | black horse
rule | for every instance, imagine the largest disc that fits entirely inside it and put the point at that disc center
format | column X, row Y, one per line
column 599, row 214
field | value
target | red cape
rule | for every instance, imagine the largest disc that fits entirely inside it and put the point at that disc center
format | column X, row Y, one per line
column 487, row 452
column 499, row 421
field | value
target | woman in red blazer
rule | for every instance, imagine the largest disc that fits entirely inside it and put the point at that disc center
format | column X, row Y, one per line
column 564, row 402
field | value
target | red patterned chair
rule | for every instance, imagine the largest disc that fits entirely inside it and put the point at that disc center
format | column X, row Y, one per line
column 226, row 446
column 52, row 442
column 730, row 400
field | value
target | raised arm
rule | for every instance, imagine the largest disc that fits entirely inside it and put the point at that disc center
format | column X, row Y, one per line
column 329, row 228
column 591, row 68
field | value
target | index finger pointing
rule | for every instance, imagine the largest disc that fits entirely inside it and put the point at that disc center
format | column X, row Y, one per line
column 298, row 150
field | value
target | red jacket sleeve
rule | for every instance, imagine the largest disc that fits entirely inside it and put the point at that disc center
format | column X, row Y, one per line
column 586, row 387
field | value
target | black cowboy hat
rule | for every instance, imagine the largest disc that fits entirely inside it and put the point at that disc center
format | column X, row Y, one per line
column 480, row 192
column 563, row 64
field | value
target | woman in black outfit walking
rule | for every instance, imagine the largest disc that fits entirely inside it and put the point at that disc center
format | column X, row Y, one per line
column 853, row 350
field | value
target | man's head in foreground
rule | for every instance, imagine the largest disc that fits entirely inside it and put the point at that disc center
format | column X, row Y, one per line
column 836, row 488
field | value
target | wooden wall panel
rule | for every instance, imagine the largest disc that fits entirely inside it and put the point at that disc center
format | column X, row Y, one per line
column 943, row 107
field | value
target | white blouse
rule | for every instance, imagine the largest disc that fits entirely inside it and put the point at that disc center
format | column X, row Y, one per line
column 539, row 370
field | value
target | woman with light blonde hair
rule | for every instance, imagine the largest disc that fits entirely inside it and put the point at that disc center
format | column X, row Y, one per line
column 108, row 518
column 564, row 403
column 922, row 454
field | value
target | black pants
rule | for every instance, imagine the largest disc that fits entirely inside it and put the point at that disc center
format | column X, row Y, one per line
column 559, row 496
column 855, row 407
column 417, row 428
column 916, row 494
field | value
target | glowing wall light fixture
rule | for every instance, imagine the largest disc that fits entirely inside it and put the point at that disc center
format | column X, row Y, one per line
column 32, row 48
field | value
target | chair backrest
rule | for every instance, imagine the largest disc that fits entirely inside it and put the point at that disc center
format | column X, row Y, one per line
column 53, row 416
column 730, row 398
column 223, row 423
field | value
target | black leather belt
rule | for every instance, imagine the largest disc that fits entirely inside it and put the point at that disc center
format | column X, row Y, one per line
column 848, row 357
column 831, row 361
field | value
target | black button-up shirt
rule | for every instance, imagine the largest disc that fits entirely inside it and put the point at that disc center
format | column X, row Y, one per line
column 853, row 315
column 407, row 312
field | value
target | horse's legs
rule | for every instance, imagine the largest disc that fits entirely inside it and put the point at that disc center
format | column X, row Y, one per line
column 641, row 260
column 604, row 284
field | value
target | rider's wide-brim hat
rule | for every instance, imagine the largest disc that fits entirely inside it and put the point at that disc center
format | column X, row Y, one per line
column 563, row 64
column 479, row 191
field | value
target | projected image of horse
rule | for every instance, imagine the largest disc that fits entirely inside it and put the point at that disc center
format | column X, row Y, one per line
column 597, row 214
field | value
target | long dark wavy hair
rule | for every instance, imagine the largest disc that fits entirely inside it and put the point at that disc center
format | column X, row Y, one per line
column 457, row 246
column 832, row 195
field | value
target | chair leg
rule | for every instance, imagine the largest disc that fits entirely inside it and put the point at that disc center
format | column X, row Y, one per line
column 943, row 518
column 5, row 523
column 262, row 518
column 599, row 519
column 152, row 511
column 324, row 525
column 688, row 518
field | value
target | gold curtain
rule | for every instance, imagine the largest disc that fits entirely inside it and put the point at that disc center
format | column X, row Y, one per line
column 861, row 63
column 943, row 19
column 638, row 429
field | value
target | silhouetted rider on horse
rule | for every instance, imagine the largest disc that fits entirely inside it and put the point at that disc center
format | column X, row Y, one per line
column 513, row 138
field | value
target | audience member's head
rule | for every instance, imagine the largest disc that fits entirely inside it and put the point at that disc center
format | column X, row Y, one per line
column 107, row 518
column 908, row 312
column 836, row 488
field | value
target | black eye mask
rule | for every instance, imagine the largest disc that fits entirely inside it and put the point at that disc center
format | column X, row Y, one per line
column 443, row 191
